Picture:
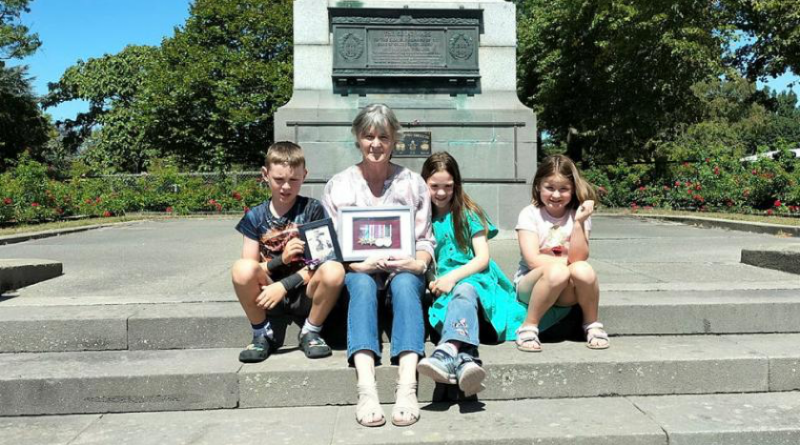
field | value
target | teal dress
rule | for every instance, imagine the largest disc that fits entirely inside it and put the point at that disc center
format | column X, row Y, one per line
column 495, row 292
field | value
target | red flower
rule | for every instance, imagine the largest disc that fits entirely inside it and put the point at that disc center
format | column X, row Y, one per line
column 59, row 210
column 794, row 208
column 97, row 200
column 769, row 211
column 641, row 189
column 730, row 203
column 697, row 187
column 212, row 201
column 237, row 196
column 666, row 187
column 169, row 209
column 218, row 206
column 699, row 198
column 88, row 201
column 685, row 164
column 246, row 209
column 777, row 203
column 106, row 214
column 677, row 183
column 708, row 160
column 716, row 170
column 34, row 204
column 8, row 201
column 754, row 172
column 690, row 192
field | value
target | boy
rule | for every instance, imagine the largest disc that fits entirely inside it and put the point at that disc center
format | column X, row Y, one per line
column 271, row 274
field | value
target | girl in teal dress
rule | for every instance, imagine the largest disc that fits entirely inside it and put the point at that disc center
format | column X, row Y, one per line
column 468, row 283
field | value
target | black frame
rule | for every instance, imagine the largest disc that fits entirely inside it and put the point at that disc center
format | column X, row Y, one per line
column 315, row 225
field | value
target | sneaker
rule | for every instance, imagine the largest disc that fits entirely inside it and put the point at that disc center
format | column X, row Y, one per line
column 313, row 345
column 470, row 374
column 440, row 366
column 258, row 350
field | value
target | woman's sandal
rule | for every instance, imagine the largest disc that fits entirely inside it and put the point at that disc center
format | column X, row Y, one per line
column 527, row 335
column 369, row 405
column 405, row 402
column 592, row 336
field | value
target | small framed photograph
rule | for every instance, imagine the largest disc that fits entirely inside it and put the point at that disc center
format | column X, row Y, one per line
column 321, row 241
column 383, row 231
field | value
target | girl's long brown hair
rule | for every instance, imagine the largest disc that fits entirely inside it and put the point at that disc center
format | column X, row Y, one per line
column 563, row 166
column 461, row 202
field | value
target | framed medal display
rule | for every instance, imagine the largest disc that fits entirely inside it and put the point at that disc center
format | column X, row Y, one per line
column 370, row 231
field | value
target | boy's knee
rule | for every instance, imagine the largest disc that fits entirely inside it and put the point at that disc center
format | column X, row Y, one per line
column 245, row 270
column 331, row 273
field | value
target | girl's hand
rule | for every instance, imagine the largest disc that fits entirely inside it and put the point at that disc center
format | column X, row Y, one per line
column 584, row 211
column 442, row 285
column 294, row 249
column 270, row 296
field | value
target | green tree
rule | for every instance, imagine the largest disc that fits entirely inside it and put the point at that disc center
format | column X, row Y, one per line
column 113, row 132
column 16, row 40
column 22, row 125
column 612, row 78
column 220, row 80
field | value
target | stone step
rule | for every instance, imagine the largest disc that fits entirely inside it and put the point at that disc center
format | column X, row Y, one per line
column 79, row 327
column 136, row 381
column 17, row 273
column 731, row 419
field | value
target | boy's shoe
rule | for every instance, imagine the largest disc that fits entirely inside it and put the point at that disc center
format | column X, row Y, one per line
column 313, row 345
column 470, row 374
column 258, row 350
column 440, row 366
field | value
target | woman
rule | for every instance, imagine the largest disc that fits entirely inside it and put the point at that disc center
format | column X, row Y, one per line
column 375, row 181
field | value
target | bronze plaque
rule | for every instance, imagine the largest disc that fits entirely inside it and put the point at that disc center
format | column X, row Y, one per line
column 413, row 144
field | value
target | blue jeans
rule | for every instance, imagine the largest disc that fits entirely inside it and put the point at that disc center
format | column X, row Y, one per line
column 461, row 320
column 408, row 328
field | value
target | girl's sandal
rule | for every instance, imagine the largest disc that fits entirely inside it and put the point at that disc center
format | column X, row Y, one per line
column 369, row 405
column 528, row 339
column 405, row 396
column 598, row 333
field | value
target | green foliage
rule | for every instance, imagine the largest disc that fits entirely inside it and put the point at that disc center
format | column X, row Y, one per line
column 16, row 41
column 22, row 125
column 206, row 96
column 610, row 78
column 30, row 193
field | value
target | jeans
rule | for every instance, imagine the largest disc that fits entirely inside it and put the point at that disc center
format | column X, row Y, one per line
column 408, row 328
column 461, row 320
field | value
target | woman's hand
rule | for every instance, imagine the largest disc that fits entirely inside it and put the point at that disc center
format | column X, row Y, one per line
column 368, row 266
column 294, row 249
column 442, row 285
column 584, row 211
column 403, row 264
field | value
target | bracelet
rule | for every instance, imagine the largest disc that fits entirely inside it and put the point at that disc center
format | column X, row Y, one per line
column 292, row 281
column 274, row 263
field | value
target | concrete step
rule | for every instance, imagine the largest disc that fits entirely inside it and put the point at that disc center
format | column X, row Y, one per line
column 731, row 419
column 133, row 381
column 17, row 273
column 95, row 327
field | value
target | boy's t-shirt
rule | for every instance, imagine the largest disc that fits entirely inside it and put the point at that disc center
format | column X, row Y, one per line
column 273, row 232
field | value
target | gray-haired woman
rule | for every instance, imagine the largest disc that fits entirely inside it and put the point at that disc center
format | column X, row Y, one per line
column 375, row 181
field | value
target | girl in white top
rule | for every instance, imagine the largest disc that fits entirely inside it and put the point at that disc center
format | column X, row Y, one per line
column 553, row 235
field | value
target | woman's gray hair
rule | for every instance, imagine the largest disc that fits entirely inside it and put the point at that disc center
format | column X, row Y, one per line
column 377, row 116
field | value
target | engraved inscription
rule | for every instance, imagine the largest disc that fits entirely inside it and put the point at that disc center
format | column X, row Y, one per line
column 461, row 46
column 406, row 47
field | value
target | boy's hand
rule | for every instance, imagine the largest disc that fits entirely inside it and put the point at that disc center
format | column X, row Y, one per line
column 271, row 296
column 294, row 249
column 442, row 285
column 584, row 211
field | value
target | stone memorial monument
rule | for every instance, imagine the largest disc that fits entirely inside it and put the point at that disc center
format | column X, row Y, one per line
column 447, row 69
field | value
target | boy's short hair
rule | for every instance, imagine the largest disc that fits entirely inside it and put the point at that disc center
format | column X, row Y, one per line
column 285, row 152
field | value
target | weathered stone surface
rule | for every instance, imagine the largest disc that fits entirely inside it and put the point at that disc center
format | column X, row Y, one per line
column 731, row 419
column 61, row 430
column 785, row 258
column 17, row 273
column 99, row 382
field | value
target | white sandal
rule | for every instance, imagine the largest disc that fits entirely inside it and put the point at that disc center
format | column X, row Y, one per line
column 405, row 401
column 528, row 334
column 590, row 336
column 369, row 405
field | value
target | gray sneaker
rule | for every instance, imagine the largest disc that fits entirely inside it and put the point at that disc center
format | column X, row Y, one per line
column 440, row 366
column 470, row 374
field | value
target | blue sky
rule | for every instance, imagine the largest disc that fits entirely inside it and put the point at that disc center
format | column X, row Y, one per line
column 80, row 29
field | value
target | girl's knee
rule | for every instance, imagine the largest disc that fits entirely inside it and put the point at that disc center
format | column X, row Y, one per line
column 557, row 274
column 465, row 292
column 245, row 270
column 582, row 273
